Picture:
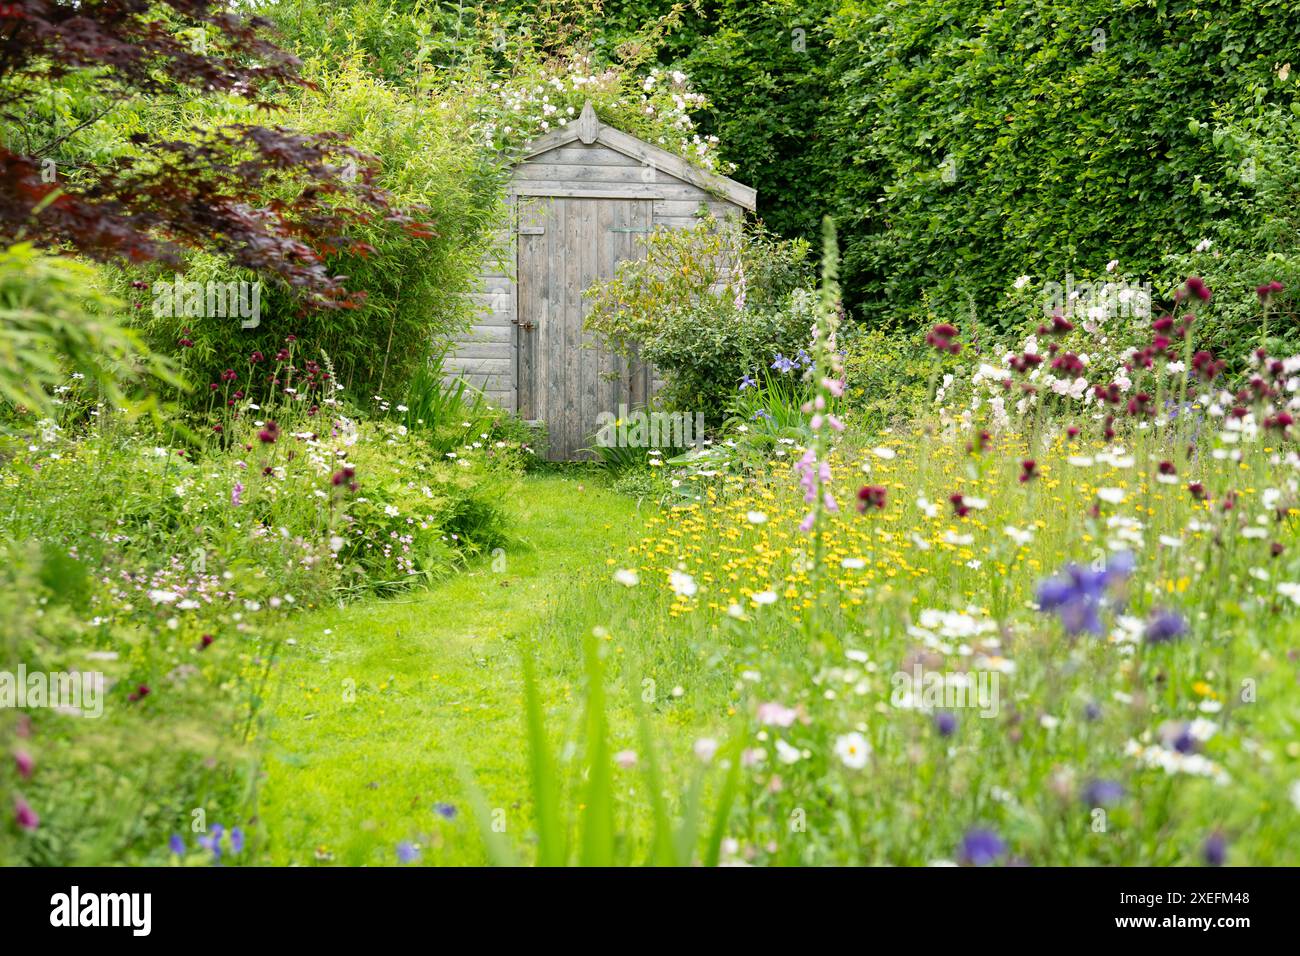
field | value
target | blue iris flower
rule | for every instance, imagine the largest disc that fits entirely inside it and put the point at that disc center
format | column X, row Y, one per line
column 783, row 364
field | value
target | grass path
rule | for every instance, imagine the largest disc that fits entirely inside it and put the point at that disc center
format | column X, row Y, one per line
column 379, row 703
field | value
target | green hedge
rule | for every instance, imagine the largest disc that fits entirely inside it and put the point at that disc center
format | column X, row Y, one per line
column 1067, row 147
column 1077, row 132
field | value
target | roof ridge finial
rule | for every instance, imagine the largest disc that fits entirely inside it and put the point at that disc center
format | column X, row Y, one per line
column 588, row 124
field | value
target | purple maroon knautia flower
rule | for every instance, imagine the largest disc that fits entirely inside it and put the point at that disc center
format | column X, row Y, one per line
column 1164, row 626
column 1195, row 286
column 980, row 848
column 945, row 722
column 407, row 852
column 25, row 816
column 1075, row 595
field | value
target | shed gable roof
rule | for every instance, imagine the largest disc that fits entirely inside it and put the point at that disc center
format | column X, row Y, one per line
column 588, row 129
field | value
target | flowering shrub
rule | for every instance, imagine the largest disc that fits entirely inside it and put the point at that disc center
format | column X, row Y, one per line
column 708, row 307
column 549, row 93
column 888, row 374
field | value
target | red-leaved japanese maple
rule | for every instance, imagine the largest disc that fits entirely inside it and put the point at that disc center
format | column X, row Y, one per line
column 268, row 198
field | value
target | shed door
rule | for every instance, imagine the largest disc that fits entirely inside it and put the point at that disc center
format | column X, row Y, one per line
column 565, row 245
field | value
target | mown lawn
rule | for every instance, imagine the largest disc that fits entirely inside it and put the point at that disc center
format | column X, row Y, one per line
column 382, row 703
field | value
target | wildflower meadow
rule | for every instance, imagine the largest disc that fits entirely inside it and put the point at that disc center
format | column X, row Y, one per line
column 891, row 463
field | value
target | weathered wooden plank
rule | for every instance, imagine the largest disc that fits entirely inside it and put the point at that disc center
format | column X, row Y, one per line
column 593, row 191
column 643, row 217
column 480, row 334
column 496, row 297
column 576, row 155
column 678, row 167
column 636, row 217
column 637, row 174
column 533, row 279
column 569, row 404
column 574, row 189
column 486, row 333
column 487, row 318
column 560, row 136
column 549, row 306
column 588, row 357
column 677, row 222
column 553, row 311
column 496, row 389
column 608, row 216
column 482, row 350
column 553, row 383
column 477, row 366
column 691, row 209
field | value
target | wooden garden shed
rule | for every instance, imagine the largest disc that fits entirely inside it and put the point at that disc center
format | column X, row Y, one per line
column 580, row 198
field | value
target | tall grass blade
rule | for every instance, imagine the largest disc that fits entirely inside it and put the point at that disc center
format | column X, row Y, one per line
column 661, row 847
column 498, row 849
column 689, row 828
column 598, row 823
column 730, row 784
column 551, row 850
